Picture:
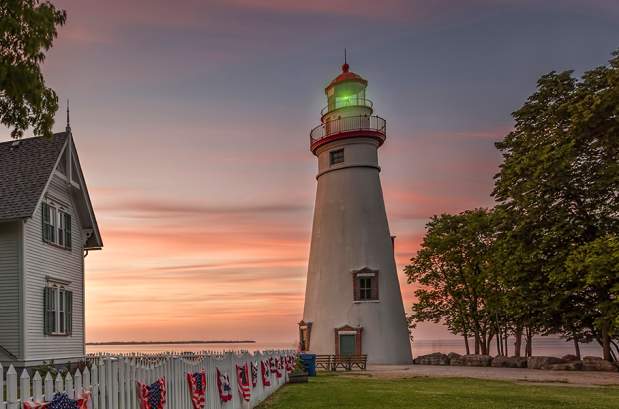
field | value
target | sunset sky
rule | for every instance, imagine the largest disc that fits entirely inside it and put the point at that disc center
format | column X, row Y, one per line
column 191, row 119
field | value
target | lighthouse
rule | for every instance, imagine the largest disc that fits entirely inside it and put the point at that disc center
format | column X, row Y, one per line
column 353, row 303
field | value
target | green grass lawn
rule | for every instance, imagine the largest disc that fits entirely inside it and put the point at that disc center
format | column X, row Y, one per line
column 329, row 392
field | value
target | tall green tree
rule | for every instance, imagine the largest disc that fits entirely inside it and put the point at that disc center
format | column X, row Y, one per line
column 451, row 270
column 27, row 30
column 593, row 269
column 559, row 180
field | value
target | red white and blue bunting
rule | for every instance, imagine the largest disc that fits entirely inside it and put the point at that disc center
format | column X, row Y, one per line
column 254, row 374
column 242, row 380
column 152, row 396
column 223, row 385
column 290, row 363
column 274, row 366
column 197, row 389
column 61, row 401
column 266, row 373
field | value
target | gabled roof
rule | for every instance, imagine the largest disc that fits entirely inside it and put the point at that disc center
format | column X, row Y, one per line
column 25, row 168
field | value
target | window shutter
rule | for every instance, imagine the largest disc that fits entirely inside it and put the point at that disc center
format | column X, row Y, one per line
column 53, row 221
column 374, row 284
column 48, row 313
column 67, row 230
column 69, row 312
column 44, row 220
column 356, row 287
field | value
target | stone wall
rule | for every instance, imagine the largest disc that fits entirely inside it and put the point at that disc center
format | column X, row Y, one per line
column 566, row 363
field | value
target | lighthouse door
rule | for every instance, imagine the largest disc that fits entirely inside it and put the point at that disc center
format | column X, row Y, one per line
column 347, row 344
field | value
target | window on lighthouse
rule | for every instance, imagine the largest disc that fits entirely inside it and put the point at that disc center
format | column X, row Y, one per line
column 366, row 285
column 336, row 156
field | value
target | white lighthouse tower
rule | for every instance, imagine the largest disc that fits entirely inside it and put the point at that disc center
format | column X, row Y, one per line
column 353, row 303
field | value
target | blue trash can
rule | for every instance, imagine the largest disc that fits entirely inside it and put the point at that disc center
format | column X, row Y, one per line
column 309, row 361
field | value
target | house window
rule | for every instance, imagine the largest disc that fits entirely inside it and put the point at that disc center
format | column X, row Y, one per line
column 56, row 226
column 58, row 310
column 365, row 284
column 336, row 156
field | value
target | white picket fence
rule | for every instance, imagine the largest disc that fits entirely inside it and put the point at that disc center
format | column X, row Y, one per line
column 112, row 380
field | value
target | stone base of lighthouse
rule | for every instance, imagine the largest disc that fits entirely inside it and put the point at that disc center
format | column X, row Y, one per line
column 353, row 303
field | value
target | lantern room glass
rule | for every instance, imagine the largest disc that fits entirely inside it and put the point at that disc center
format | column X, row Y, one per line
column 345, row 95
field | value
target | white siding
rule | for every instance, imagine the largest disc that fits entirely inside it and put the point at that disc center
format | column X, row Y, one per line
column 9, row 287
column 41, row 260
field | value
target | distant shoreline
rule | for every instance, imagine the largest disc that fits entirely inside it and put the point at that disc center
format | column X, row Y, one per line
column 169, row 342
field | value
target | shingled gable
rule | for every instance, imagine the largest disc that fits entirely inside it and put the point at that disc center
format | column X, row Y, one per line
column 26, row 167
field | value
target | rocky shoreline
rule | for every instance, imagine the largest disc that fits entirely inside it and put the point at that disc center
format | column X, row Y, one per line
column 565, row 363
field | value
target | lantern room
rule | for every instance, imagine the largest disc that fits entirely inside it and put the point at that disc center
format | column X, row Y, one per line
column 348, row 113
column 347, row 90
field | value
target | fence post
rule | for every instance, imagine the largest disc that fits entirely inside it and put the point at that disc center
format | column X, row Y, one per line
column 37, row 387
column 95, row 385
column 49, row 387
column 86, row 379
column 114, row 388
column 119, row 376
column 127, row 383
column 68, row 387
column 11, row 388
column 132, row 385
column 24, row 386
column 173, row 383
column 102, row 385
column 2, row 403
column 77, row 384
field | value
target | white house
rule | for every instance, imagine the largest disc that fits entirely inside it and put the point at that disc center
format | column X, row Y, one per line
column 353, row 303
column 47, row 227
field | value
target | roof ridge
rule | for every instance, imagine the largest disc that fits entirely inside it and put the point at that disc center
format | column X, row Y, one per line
column 63, row 133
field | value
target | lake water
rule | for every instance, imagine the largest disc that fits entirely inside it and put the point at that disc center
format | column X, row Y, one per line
column 157, row 348
column 541, row 346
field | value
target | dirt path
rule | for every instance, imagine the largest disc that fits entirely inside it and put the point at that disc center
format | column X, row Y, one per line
column 572, row 378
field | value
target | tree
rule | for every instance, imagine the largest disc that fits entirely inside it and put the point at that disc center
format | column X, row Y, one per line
column 452, row 270
column 594, row 269
column 27, row 30
column 558, row 181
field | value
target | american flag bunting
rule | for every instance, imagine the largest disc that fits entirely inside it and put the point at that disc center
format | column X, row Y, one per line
column 197, row 389
column 254, row 374
column 152, row 396
column 242, row 380
column 223, row 385
column 266, row 373
column 61, row 401
column 274, row 363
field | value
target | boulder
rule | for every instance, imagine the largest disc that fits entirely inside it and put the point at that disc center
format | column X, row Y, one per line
column 569, row 358
column 453, row 355
column 567, row 366
column 509, row 362
column 543, row 362
column 599, row 364
column 471, row 360
column 456, row 360
column 435, row 358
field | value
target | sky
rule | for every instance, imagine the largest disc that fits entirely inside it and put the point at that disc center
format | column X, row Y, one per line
column 192, row 121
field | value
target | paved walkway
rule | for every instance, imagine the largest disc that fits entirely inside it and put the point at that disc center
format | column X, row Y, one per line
column 572, row 378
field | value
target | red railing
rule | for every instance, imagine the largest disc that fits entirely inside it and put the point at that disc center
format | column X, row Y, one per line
column 374, row 124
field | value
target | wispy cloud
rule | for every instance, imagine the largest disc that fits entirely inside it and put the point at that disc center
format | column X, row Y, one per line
column 161, row 208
